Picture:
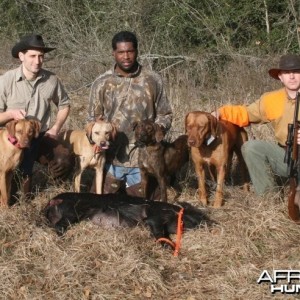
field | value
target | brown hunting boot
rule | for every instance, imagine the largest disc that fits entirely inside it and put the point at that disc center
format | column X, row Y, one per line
column 112, row 185
column 153, row 190
column 135, row 190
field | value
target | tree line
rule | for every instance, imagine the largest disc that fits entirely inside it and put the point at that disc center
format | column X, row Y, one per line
column 170, row 31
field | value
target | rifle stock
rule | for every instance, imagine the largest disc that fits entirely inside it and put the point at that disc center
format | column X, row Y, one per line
column 293, row 208
column 292, row 159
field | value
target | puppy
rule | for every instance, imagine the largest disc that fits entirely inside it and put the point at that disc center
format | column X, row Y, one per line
column 17, row 136
column 212, row 143
column 121, row 210
column 89, row 147
column 157, row 158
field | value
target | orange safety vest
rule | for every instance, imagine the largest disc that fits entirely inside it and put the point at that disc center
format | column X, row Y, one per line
column 273, row 107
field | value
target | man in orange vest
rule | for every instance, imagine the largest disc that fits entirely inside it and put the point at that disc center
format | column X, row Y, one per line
column 265, row 159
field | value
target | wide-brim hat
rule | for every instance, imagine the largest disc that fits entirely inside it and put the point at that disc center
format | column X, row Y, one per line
column 29, row 42
column 289, row 62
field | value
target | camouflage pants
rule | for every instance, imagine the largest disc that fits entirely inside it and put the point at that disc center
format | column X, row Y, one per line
column 265, row 162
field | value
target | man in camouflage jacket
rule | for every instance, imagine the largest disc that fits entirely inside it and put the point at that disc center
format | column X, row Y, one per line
column 124, row 95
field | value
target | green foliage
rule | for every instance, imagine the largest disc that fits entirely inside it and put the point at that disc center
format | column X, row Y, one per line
column 165, row 27
column 173, row 34
column 16, row 17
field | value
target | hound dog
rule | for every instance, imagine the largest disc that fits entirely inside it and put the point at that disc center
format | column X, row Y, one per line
column 158, row 158
column 89, row 147
column 14, row 138
column 57, row 156
column 212, row 143
column 121, row 210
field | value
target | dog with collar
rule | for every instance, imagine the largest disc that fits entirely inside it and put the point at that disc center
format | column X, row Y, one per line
column 121, row 210
column 14, row 138
column 213, row 143
column 157, row 158
column 89, row 148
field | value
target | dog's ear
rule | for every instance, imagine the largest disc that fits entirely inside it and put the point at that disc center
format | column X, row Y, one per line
column 100, row 118
column 10, row 126
column 88, row 128
column 159, row 134
column 185, row 120
column 113, row 131
column 54, row 202
column 36, row 127
column 213, row 124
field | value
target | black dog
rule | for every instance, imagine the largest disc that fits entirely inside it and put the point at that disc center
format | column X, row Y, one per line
column 112, row 210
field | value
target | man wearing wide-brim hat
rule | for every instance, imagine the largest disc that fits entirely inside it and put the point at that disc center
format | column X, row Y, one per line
column 28, row 91
column 265, row 159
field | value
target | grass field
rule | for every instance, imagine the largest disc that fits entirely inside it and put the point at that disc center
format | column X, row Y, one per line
column 223, row 262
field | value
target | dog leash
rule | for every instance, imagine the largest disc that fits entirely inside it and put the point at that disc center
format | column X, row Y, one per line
column 179, row 232
column 176, row 246
column 134, row 147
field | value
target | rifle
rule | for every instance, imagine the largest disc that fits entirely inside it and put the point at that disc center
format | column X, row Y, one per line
column 292, row 158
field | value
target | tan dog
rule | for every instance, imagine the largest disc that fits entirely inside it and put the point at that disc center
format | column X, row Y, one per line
column 213, row 142
column 89, row 147
column 17, row 135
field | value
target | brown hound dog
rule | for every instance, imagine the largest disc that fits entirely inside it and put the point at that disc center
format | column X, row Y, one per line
column 17, row 135
column 213, row 142
column 89, row 147
column 56, row 156
column 157, row 158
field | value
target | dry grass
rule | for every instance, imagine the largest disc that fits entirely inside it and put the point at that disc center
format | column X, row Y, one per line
column 224, row 262
column 253, row 234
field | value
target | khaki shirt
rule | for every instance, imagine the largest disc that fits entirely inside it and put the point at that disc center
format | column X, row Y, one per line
column 33, row 96
column 126, row 100
column 276, row 108
column 273, row 107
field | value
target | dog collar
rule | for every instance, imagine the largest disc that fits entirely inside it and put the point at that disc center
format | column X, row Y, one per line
column 97, row 149
column 90, row 139
column 210, row 140
column 14, row 141
column 139, row 144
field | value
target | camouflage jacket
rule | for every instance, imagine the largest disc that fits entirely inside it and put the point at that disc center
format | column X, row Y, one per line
column 126, row 100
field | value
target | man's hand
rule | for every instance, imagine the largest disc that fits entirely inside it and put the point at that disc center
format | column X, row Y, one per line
column 216, row 114
column 17, row 114
column 52, row 132
column 60, row 120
